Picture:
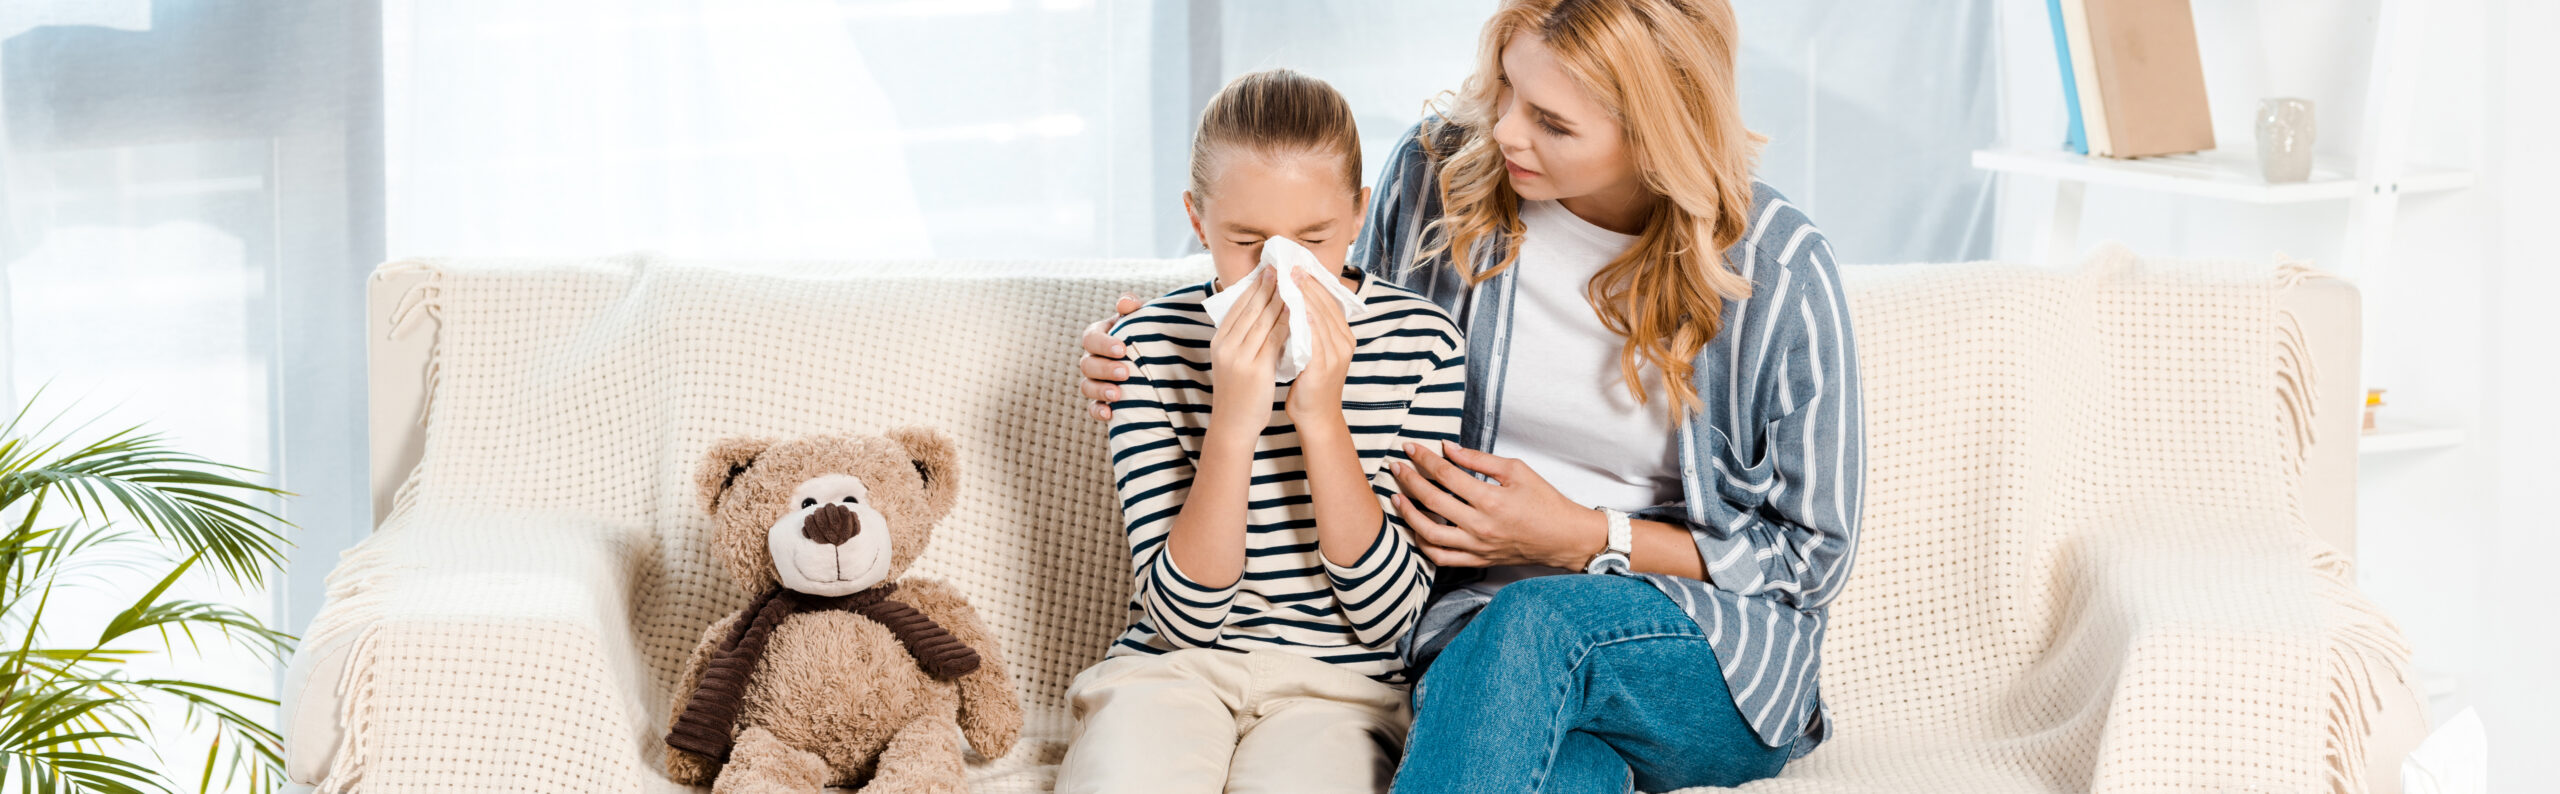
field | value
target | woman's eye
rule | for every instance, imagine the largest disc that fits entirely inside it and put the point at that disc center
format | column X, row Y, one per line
column 1551, row 128
column 1311, row 242
column 1246, row 242
column 808, row 503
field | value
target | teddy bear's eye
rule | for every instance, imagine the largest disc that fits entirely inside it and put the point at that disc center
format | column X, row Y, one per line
column 852, row 501
column 808, row 502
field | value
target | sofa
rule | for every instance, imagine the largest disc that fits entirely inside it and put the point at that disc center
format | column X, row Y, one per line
column 2108, row 548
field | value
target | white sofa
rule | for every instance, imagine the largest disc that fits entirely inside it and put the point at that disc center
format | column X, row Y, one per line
column 515, row 621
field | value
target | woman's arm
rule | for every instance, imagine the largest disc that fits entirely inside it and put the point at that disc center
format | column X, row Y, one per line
column 1784, row 524
column 1105, row 362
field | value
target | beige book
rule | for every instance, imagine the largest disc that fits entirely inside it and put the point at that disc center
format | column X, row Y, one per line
column 2150, row 78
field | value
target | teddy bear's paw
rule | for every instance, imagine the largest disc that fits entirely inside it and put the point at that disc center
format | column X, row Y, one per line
column 923, row 758
column 762, row 764
column 689, row 767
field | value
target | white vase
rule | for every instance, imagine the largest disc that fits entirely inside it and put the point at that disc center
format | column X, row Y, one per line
column 2285, row 134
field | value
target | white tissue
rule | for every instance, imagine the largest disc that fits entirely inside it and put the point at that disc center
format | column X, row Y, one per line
column 1287, row 255
column 2453, row 760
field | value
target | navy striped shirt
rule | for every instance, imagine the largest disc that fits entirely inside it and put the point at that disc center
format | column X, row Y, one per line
column 1405, row 383
column 1772, row 464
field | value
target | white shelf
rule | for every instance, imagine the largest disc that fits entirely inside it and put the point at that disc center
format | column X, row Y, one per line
column 2407, row 438
column 2221, row 174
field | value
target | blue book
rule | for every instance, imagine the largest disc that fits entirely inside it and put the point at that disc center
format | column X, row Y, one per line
column 2075, row 139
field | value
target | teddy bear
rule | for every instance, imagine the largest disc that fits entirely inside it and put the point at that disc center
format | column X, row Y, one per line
column 839, row 672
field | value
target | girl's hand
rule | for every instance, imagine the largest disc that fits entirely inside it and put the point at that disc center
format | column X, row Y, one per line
column 1317, row 393
column 1244, row 357
column 1517, row 520
column 1105, row 360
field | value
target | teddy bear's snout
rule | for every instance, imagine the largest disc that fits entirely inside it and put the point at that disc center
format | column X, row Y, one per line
column 831, row 525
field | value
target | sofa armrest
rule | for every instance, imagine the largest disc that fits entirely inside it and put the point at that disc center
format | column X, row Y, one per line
column 2329, row 313
column 478, row 646
column 2214, row 628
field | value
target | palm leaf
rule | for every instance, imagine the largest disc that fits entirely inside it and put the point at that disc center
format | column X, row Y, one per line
column 69, row 721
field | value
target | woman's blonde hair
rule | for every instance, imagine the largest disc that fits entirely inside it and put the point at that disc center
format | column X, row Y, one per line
column 1664, row 70
column 1275, row 112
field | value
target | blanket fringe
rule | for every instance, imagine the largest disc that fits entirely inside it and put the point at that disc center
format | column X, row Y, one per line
column 355, row 712
column 355, row 586
column 2363, row 646
column 2362, row 642
column 423, row 301
column 2297, row 392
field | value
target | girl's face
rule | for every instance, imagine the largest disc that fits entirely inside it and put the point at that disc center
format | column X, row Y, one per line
column 1252, row 198
column 1557, row 143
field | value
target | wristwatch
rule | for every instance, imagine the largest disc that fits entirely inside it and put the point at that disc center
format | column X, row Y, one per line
column 1622, row 541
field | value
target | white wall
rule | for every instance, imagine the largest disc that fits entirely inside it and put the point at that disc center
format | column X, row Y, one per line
column 2456, row 323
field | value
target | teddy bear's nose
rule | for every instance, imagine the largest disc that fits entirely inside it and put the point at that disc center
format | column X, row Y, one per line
column 831, row 525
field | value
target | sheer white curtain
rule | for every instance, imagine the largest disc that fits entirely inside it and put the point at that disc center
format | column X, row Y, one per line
column 778, row 128
column 189, row 200
column 1871, row 108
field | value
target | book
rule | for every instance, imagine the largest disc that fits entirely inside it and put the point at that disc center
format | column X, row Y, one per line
column 2150, row 78
column 2072, row 138
column 2084, row 77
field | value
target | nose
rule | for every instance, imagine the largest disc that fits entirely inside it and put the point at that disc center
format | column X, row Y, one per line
column 831, row 525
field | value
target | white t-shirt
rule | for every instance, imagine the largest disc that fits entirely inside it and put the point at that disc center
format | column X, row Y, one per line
column 1565, row 407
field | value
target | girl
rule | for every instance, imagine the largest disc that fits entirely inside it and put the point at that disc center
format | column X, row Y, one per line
column 1272, row 583
column 1684, row 363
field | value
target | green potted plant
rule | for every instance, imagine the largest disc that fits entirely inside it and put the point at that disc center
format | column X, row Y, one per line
column 74, row 519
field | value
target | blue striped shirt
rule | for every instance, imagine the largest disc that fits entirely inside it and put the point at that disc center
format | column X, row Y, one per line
column 1405, row 383
column 1772, row 463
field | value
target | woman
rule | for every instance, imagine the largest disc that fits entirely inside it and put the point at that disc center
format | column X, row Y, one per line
column 1569, row 209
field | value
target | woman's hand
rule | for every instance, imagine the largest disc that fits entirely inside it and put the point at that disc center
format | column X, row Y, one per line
column 1244, row 357
column 1105, row 360
column 1518, row 519
column 1317, row 393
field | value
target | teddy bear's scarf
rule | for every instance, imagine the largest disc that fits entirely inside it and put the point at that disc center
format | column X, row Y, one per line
column 712, row 711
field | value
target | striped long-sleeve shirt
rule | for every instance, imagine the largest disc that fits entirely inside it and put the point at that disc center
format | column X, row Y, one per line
column 1772, row 462
column 1406, row 383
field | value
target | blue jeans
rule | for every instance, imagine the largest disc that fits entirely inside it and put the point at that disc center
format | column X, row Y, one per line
column 1579, row 683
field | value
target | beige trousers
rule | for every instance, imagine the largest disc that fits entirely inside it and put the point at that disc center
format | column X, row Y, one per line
column 1201, row 720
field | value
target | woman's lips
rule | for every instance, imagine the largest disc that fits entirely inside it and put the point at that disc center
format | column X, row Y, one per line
column 1518, row 172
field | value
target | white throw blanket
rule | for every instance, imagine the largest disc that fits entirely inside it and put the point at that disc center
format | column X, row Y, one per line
column 2082, row 568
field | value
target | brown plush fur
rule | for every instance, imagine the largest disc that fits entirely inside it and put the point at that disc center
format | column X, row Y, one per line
column 837, row 699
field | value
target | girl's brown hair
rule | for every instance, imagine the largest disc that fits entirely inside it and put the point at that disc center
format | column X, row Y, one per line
column 1275, row 112
column 1664, row 69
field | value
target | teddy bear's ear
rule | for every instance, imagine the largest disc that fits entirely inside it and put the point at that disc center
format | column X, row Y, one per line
column 936, row 459
column 722, row 465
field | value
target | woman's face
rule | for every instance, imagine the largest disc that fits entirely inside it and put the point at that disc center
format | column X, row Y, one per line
column 1557, row 143
column 1253, row 198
